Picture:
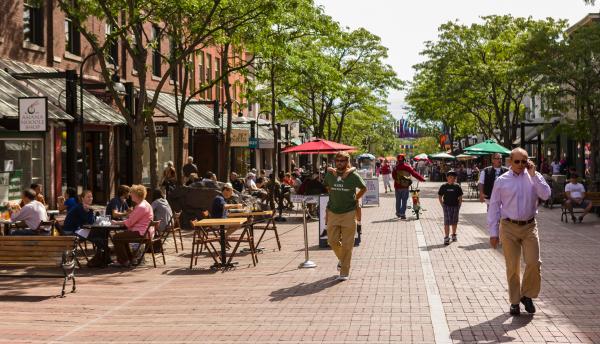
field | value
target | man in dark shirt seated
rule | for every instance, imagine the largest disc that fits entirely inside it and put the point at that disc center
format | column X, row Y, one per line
column 220, row 208
column 118, row 207
column 237, row 184
column 262, row 180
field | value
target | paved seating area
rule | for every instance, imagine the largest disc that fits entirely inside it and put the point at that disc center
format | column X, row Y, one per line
column 405, row 287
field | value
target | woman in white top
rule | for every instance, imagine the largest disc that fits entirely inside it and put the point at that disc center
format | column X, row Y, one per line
column 555, row 166
column 254, row 191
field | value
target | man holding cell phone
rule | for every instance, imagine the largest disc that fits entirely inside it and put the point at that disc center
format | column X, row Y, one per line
column 511, row 216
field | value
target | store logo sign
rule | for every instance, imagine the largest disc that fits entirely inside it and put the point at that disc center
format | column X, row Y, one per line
column 162, row 129
column 240, row 138
column 33, row 114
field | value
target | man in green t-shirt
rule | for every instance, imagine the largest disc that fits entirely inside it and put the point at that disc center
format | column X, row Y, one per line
column 342, row 211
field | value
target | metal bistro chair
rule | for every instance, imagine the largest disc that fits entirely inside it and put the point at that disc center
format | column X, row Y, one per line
column 172, row 227
column 202, row 239
column 150, row 242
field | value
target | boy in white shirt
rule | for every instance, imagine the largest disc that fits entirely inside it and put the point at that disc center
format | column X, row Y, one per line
column 576, row 194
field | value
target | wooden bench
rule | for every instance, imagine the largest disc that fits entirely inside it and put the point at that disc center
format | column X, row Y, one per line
column 593, row 197
column 40, row 251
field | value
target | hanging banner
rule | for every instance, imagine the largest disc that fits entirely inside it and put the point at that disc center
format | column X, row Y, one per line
column 240, row 137
column 372, row 195
column 33, row 114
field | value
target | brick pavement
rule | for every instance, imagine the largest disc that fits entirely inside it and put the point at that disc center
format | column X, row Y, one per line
column 387, row 299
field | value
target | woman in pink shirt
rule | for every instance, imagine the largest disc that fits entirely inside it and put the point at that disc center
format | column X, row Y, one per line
column 137, row 223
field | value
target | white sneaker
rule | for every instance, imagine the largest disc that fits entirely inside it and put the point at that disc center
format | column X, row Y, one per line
column 339, row 266
column 343, row 278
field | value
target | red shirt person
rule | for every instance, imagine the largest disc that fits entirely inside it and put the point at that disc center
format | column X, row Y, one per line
column 401, row 175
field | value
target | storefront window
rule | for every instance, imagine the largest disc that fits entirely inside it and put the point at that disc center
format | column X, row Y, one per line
column 165, row 154
column 243, row 160
column 63, row 159
column 26, row 155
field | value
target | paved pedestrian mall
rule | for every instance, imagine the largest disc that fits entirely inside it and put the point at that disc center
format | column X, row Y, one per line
column 405, row 286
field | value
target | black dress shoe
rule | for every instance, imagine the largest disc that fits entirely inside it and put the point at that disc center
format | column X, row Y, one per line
column 515, row 310
column 528, row 303
column 324, row 234
column 359, row 229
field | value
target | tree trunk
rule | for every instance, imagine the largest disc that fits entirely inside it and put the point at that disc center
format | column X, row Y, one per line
column 153, row 153
column 138, row 150
column 227, row 85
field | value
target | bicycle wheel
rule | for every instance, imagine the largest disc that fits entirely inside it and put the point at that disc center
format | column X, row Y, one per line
column 417, row 214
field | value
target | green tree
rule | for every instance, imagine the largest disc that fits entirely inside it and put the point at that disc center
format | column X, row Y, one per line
column 569, row 64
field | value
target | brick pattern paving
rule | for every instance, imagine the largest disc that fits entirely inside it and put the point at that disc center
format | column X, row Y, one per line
column 385, row 300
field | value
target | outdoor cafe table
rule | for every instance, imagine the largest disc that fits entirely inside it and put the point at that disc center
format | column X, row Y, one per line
column 105, row 231
column 248, row 214
column 221, row 223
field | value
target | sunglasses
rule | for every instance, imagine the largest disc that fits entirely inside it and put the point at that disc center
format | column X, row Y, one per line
column 340, row 160
column 524, row 161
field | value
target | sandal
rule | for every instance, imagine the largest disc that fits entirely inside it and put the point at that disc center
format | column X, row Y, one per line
column 119, row 265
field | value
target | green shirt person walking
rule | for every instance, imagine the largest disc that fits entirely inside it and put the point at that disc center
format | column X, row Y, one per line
column 342, row 212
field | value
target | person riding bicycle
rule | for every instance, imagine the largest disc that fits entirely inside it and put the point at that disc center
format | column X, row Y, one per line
column 401, row 175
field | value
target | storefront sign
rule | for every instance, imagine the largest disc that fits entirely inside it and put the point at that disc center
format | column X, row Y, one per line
column 372, row 194
column 240, row 137
column 252, row 143
column 162, row 129
column 266, row 144
column 10, row 187
column 33, row 114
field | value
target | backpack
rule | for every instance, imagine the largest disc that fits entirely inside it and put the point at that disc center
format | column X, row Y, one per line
column 402, row 180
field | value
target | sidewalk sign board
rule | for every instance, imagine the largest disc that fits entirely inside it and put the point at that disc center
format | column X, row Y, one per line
column 323, row 199
column 372, row 195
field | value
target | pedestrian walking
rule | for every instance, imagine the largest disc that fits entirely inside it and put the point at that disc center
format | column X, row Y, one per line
column 341, row 223
column 488, row 178
column 386, row 171
column 421, row 167
column 169, row 178
column 401, row 175
column 378, row 167
column 450, row 196
column 511, row 217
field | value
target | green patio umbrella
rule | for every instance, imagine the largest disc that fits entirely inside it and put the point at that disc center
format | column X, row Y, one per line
column 465, row 157
column 487, row 147
column 442, row 156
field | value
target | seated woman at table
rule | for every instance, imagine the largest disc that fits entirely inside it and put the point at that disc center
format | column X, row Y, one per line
column 161, row 208
column 254, row 190
column 68, row 201
column 83, row 214
column 287, row 180
column 136, row 224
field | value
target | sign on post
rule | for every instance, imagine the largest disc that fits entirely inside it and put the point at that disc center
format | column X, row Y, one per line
column 266, row 144
column 240, row 137
column 162, row 129
column 33, row 114
column 252, row 143
column 372, row 194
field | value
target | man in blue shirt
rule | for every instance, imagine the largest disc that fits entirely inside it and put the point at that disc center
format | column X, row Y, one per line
column 220, row 208
column 118, row 207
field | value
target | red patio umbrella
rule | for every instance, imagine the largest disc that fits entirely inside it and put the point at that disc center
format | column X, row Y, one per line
column 320, row 146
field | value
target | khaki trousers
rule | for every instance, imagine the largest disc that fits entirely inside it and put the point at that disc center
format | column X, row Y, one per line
column 344, row 226
column 514, row 237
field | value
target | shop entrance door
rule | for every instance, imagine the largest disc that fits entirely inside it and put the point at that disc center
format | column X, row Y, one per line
column 96, row 173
